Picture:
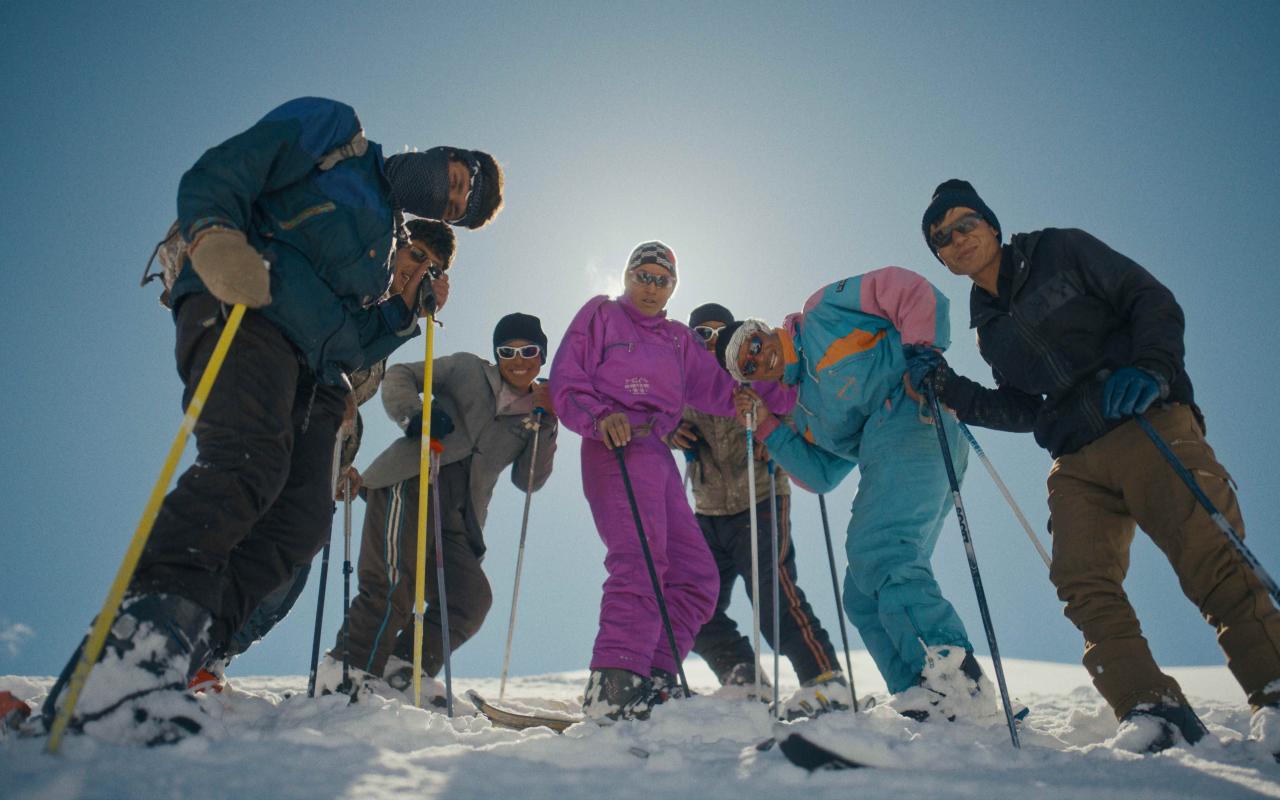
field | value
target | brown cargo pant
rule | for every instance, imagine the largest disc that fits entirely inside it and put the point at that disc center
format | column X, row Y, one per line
column 1096, row 495
column 383, row 609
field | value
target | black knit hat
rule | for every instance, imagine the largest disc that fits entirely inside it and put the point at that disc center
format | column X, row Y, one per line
column 710, row 312
column 722, row 341
column 951, row 194
column 519, row 326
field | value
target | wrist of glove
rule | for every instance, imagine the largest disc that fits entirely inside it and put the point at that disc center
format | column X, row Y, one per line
column 230, row 268
column 441, row 423
column 1131, row 390
column 924, row 362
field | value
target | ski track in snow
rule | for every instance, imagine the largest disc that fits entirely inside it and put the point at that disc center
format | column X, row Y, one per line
column 266, row 739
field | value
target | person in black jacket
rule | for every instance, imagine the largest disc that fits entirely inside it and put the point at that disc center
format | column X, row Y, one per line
column 1080, row 339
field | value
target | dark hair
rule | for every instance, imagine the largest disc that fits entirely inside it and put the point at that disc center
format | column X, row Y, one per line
column 435, row 235
column 491, row 184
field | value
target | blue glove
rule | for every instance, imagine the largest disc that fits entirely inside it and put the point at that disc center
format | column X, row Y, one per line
column 441, row 423
column 922, row 362
column 1129, row 391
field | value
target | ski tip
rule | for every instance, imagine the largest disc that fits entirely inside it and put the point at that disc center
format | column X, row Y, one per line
column 812, row 757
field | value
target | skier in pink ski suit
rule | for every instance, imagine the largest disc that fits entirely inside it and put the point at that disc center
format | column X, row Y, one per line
column 621, row 378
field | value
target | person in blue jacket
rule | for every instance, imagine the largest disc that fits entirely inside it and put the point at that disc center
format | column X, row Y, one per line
column 844, row 353
column 301, row 219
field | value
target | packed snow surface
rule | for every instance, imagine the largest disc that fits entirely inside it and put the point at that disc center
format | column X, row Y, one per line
column 265, row 738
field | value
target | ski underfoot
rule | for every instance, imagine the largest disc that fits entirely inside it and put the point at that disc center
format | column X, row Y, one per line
column 521, row 722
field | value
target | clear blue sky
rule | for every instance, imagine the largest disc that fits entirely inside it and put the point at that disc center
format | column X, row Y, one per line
column 776, row 148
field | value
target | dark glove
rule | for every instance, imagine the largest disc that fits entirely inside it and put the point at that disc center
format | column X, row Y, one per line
column 441, row 423
column 1130, row 391
column 923, row 361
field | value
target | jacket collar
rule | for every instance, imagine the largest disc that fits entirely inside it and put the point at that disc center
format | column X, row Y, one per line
column 1015, row 261
column 790, row 354
column 639, row 317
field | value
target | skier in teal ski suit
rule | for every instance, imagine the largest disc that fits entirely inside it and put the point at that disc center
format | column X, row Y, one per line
column 844, row 352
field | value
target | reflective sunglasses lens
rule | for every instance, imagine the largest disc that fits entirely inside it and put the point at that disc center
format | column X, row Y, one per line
column 754, row 346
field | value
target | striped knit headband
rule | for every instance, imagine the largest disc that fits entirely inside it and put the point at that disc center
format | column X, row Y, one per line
column 654, row 252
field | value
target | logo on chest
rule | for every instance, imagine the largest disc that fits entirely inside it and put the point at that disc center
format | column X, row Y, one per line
column 637, row 385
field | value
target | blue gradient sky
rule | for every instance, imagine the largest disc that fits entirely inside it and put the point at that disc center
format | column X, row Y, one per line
column 775, row 148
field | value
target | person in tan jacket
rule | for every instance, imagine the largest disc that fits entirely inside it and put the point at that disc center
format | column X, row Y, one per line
column 717, row 451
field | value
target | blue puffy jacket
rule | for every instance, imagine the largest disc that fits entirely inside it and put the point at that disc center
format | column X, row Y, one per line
column 327, row 234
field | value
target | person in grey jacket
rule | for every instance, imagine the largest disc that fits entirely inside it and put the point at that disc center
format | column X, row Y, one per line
column 486, row 413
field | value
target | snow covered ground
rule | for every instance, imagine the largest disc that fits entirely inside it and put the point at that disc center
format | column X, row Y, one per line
column 270, row 741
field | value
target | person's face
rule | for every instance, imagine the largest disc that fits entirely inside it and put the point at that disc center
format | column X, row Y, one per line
column 651, row 292
column 409, row 259
column 520, row 370
column 968, row 253
column 459, row 191
column 709, row 339
column 760, row 357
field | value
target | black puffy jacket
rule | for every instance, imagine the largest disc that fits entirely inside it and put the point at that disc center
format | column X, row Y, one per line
column 1077, row 311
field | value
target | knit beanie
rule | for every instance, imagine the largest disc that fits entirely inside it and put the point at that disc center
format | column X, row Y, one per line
column 519, row 326
column 710, row 312
column 654, row 252
column 949, row 195
column 729, row 344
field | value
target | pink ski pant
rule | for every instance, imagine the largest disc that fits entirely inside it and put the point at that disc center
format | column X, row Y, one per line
column 631, row 634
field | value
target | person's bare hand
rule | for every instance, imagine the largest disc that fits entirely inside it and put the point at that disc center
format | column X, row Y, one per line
column 352, row 478
column 685, row 436
column 615, row 430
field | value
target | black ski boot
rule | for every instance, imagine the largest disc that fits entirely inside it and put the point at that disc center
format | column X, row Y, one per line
column 137, row 691
column 617, row 694
column 666, row 686
column 1151, row 728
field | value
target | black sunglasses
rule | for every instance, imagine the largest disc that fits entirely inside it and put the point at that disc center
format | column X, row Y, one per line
column 942, row 236
column 753, row 350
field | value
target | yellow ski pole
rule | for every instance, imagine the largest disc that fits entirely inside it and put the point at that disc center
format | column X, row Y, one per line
column 424, row 484
column 106, row 617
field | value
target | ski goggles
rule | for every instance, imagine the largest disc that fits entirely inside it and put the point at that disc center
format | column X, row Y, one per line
column 754, row 346
column 649, row 279
column 707, row 333
column 507, row 352
column 942, row 236
column 420, row 256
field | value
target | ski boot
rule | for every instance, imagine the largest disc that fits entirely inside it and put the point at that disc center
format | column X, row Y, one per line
column 1153, row 727
column 137, row 690
column 398, row 674
column 951, row 684
column 666, row 686
column 739, row 681
column 617, row 694
column 210, row 678
column 817, row 696
column 1264, row 728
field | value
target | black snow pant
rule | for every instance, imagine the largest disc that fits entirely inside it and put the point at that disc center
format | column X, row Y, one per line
column 380, row 620
column 257, row 504
column 804, row 641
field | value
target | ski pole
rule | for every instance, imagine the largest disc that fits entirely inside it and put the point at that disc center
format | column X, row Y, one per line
column 324, row 580
column 1221, row 521
column 653, row 572
column 524, row 530
column 1004, row 490
column 755, row 549
column 442, row 595
column 315, row 636
column 424, row 484
column 346, row 582
column 973, row 561
column 107, row 615
column 689, row 458
column 835, row 587
column 777, row 566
